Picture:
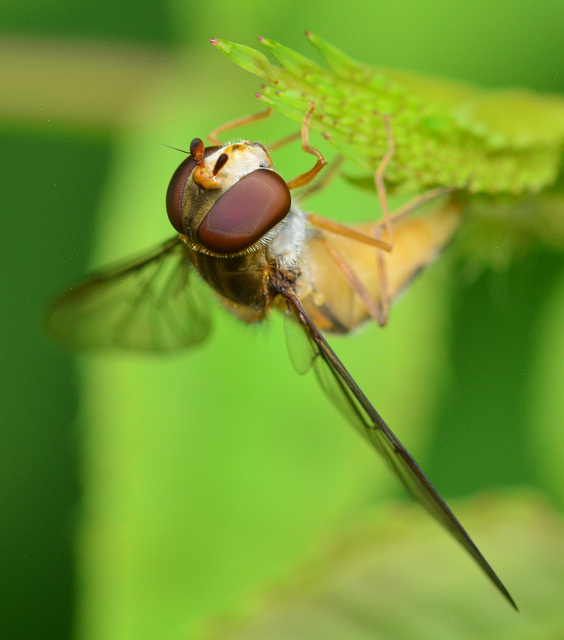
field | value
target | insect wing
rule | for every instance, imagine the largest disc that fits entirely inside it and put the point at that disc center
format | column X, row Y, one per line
column 341, row 388
column 147, row 303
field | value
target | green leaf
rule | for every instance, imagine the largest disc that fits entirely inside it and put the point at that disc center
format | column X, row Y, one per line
column 445, row 133
column 293, row 62
column 398, row 577
column 248, row 58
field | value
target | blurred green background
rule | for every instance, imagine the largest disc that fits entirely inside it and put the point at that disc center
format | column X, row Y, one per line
column 142, row 495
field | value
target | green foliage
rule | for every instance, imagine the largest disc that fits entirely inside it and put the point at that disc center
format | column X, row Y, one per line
column 374, row 582
column 208, row 476
column 445, row 133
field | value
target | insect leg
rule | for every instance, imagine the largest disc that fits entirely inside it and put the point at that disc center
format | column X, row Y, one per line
column 372, row 306
column 390, row 219
column 374, row 235
column 377, row 310
column 381, row 186
column 384, row 302
column 343, row 230
column 213, row 137
column 418, row 201
column 240, row 122
column 327, row 177
column 387, row 244
column 278, row 144
column 305, row 178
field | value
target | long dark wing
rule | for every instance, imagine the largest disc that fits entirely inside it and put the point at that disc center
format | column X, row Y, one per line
column 146, row 303
column 351, row 401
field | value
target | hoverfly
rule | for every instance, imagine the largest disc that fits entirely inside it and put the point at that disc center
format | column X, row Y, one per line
column 239, row 229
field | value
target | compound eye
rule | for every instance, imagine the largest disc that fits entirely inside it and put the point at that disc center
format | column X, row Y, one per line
column 177, row 187
column 245, row 213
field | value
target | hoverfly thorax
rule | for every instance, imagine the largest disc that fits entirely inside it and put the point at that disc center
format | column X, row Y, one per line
column 225, row 199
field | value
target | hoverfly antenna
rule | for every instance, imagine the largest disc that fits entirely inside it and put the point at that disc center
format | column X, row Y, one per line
column 197, row 151
column 223, row 158
column 205, row 178
column 168, row 146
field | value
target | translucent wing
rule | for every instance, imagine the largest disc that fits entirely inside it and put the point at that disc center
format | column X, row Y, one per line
column 147, row 303
column 353, row 404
